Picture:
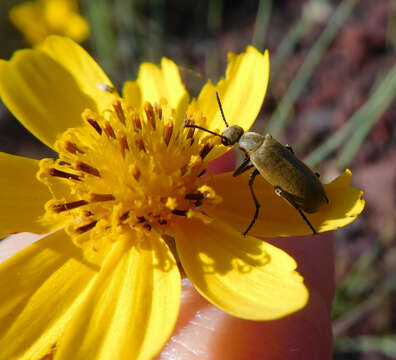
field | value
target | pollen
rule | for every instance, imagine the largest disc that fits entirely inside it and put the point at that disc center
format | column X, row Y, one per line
column 127, row 170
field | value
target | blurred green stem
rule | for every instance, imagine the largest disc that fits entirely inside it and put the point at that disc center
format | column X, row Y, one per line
column 385, row 345
column 215, row 15
column 359, row 125
column 102, row 38
column 360, row 311
column 357, row 282
column 215, row 19
column 368, row 120
column 282, row 114
column 261, row 26
column 156, row 29
column 288, row 43
column 391, row 32
column 130, row 37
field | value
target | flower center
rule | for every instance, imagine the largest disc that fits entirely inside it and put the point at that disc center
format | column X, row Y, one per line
column 126, row 170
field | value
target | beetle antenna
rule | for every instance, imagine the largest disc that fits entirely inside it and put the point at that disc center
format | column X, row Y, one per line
column 201, row 128
column 221, row 109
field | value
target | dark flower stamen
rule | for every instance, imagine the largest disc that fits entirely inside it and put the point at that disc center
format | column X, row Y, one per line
column 63, row 174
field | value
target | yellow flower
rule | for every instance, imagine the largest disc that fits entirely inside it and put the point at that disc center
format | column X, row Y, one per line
column 40, row 18
column 126, row 198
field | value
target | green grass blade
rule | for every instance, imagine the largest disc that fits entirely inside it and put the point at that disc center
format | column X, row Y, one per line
column 288, row 43
column 391, row 32
column 282, row 114
column 385, row 345
column 261, row 26
column 384, row 96
column 103, row 38
column 214, row 22
column 358, row 126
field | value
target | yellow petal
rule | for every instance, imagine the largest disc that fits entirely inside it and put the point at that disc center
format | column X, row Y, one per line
column 241, row 92
column 277, row 217
column 22, row 196
column 28, row 19
column 56, row 10
column 346, row 203
column 132, row 94
column 244, row 276
column 39, row 288
column 40, row 18
column 63, row 19
column 131, row 307
column 77, row 28
column 48, row 89
column 162, row 82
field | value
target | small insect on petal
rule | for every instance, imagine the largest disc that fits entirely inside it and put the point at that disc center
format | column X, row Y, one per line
column 292, row 179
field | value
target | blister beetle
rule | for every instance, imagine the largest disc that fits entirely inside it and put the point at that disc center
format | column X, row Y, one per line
column 277, row 164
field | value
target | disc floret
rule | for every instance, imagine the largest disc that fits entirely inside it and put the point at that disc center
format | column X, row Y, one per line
column 127, row 170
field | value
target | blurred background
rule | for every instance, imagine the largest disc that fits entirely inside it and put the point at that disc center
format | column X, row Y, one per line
column 331, row 96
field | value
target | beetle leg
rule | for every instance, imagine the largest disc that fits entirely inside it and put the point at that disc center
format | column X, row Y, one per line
column 246, row 165
column 286, row 195
column 288, row 147
column 256, row 203
column 305, row 219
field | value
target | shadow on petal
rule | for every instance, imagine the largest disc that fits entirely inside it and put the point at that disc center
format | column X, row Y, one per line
column 243, row 276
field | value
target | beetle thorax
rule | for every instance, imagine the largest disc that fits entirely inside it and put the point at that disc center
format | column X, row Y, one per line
column 250, row 141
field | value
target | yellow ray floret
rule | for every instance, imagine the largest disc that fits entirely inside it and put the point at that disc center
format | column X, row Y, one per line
column 40, row 18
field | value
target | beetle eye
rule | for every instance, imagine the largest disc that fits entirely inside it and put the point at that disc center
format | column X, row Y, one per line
column 225, row 141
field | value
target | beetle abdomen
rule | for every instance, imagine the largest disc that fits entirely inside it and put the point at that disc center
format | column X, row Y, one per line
column 281, row 168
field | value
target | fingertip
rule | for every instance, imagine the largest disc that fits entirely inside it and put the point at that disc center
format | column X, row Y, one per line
column 14, row 243
column 205, row 332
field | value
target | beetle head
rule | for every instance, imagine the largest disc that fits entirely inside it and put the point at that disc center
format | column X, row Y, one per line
column 231, row 135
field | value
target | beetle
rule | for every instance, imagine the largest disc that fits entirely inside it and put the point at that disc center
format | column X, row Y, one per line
column 277, row 164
